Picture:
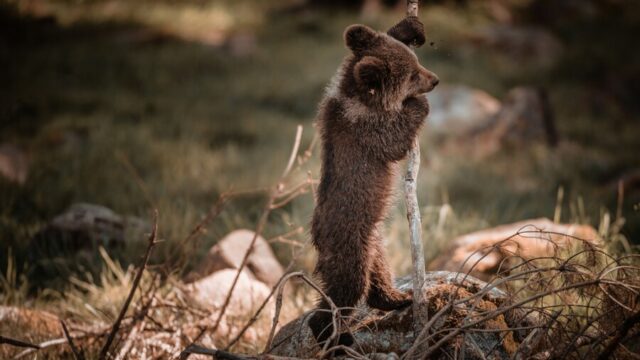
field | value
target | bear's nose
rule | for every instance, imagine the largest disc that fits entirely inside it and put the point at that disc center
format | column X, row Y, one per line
column 435, row 81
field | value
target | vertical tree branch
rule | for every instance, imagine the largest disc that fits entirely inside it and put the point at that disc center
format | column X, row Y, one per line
column 420, row 315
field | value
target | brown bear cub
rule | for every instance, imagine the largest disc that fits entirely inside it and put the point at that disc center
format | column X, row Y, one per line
column 368, row 121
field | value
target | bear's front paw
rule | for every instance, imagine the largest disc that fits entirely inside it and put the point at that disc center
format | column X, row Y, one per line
column 409, row 31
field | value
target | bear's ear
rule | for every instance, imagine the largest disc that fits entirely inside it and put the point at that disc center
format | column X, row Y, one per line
column 409, row 31
column 359, row 38
column 370, row 72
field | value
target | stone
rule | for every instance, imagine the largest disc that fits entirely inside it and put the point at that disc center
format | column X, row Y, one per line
column 456, row 109
column 525, row 118
column 475, row 252
column 211, row 291
column 14, row 163
column 229, row 252
column 378, row 333
column 87, row 226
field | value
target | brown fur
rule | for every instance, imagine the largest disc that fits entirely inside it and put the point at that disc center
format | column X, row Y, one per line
column 368, row 121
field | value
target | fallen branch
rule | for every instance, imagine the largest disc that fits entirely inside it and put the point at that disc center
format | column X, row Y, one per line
column 42, row 345
column 18, row 343
column 627, row 325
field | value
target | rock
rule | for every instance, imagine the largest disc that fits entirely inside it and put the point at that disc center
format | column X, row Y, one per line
column 538, row 237
column 14, row 163
column 524, row 118
column 229, row 252
column 456, row 109
column 392, row 333
column 523, row 44
column 210, row 293
column 87, row 226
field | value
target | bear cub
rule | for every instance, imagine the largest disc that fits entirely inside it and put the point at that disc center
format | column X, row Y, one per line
column 368, row 121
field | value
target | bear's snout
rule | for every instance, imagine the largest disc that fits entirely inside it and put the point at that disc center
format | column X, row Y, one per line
column 434, row 82
column 427, row 81
column 431, row 80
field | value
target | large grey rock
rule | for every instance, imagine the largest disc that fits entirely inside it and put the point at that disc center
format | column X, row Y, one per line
column 86, row 226
column 392, row 333
column 457, row 109
column 525, row 118
column 229, row 252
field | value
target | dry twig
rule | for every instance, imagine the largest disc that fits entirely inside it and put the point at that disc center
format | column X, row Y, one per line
column 134, row 287
column 77, row 354
column 17, row 343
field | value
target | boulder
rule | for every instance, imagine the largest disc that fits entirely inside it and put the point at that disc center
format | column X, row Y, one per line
column 87, row 226
column 392, row 333
column 524, row 118
column 229, row 252
column 14, row 163
column 210, row 293
column 457, row 109
column 484, row 252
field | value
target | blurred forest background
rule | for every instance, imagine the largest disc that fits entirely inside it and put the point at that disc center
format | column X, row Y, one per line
column 136, row 105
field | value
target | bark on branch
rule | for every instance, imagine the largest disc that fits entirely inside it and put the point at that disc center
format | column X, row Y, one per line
column 420, row 315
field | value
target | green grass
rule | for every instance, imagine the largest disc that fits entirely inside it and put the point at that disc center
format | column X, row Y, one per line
column 171, row 122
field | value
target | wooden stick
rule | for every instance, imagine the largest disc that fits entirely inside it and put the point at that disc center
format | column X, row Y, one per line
column 136, row 281
column 18, row 343
column 420, row 315
column 77, row 354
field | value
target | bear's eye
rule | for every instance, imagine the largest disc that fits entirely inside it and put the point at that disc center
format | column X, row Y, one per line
column 415, row 76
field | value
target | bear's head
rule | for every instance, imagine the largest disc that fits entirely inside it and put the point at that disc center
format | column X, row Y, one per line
column 383, row 70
